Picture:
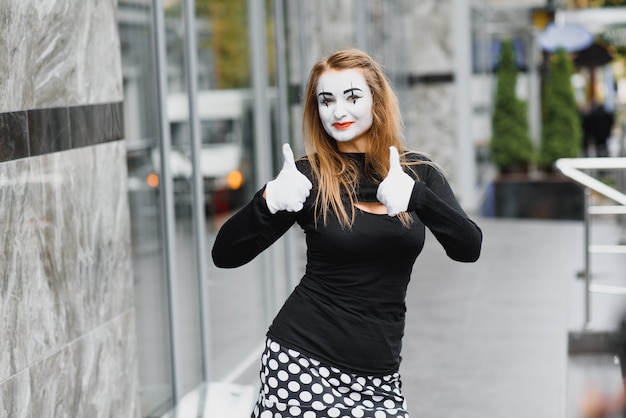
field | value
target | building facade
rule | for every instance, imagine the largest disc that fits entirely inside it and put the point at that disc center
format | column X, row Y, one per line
column 122, row 151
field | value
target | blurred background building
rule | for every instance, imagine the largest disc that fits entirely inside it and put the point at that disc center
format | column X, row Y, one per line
column 131, row 129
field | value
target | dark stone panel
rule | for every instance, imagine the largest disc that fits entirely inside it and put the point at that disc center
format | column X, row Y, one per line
column 435, row 78
column 111, row 122
column 96, row 124
column 13, row 136
column 49, row 130
column 84, row 120
column 41, row 131
column 117, row 120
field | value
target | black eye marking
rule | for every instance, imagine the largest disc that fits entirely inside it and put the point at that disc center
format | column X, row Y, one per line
column 326, row 98
column 352, row 94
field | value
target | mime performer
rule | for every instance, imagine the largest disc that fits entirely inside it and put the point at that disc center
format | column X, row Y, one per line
column 363, row 201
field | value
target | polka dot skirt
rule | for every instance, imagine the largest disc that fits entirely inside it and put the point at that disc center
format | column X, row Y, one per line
column 294, row 385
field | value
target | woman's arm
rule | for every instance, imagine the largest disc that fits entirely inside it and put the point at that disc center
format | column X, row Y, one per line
column 248, row 232
column 272, row 211
column 434, row 202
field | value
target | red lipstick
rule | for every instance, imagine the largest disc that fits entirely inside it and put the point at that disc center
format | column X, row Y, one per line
column 342, row 125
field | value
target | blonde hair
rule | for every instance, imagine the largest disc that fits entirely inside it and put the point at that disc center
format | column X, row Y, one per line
column 331, row 168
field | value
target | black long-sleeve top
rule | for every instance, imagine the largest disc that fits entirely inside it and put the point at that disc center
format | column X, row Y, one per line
column 349, row 308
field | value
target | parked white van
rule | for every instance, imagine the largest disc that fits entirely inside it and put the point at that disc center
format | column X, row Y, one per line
column 225, row 116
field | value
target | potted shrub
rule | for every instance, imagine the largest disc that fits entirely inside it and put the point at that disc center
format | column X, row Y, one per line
column 561, row 135
column 510, row 145
column 516, row 192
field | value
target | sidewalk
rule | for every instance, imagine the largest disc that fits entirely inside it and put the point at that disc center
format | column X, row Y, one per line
column 490, row 339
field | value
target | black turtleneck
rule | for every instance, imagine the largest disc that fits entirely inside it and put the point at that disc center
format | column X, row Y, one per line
column 348, row 309
column 367, row 187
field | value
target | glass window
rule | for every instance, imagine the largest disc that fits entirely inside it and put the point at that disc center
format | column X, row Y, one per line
column 240, row 302
column 238, row 298
column 189, row 355
column 144, row 188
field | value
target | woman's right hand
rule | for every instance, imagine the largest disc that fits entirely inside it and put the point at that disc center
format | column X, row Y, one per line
column 289, row 190
column 395, row 190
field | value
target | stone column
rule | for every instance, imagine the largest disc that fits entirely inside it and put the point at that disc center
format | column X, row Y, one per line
column 67, row 340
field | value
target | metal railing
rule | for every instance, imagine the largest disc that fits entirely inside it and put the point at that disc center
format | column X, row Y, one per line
column 582, row 170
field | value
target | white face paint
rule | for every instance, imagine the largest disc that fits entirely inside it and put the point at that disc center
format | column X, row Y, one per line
column 344, row 103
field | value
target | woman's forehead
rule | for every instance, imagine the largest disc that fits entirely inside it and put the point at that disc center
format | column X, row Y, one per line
column 340, row 80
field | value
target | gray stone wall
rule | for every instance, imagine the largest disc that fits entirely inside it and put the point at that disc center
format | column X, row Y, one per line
column 58, row 53
column 67, row 336
column 413, row 39
column 430, row 114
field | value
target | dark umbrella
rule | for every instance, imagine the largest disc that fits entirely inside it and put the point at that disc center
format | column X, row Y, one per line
column 594, row 56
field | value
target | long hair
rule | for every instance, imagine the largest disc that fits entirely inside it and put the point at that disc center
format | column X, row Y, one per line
column 333, row 170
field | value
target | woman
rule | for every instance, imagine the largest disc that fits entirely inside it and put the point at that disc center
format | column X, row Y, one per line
column 333, row 350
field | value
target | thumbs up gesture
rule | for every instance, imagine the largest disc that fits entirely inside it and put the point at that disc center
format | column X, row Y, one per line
column 289, row 190
column 395, row 190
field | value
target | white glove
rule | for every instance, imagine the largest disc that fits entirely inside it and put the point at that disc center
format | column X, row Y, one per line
column 395, row 190
column 289, row 190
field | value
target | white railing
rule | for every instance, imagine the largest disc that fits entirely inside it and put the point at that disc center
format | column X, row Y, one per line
column 574, row 169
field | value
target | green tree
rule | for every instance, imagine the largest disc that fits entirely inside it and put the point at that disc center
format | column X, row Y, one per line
column 230, row 42
column 562, row 132
column 608, row 3
column 511, row 146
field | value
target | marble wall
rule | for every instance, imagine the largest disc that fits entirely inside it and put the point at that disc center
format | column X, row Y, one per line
column 58, row 53
column 431, row 114
column 67, row 336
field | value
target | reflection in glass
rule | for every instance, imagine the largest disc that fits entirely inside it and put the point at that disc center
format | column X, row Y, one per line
column 189, row 356
column 151, row 301
column 236, row 297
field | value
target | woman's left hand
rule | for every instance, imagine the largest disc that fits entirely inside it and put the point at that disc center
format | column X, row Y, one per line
column 395, row 190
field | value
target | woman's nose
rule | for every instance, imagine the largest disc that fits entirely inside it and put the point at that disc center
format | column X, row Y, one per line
column 340, row 110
